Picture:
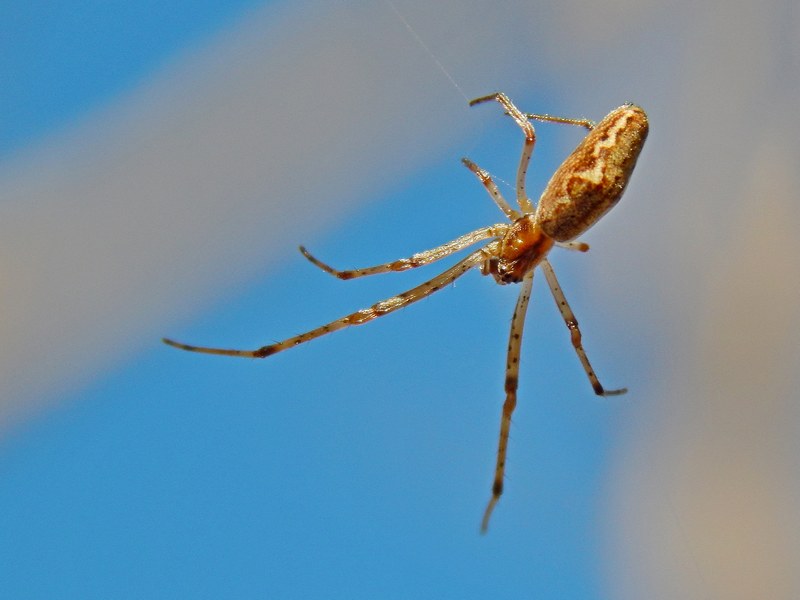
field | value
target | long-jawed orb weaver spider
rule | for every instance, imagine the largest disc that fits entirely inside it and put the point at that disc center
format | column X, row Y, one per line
column 586, row 186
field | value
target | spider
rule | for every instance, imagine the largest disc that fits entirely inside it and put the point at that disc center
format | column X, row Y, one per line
column 586, row 185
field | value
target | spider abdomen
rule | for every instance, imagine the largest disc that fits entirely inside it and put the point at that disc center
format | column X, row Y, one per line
column 591, row 180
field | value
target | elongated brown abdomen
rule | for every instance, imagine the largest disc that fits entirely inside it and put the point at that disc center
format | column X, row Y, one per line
column 591, row 180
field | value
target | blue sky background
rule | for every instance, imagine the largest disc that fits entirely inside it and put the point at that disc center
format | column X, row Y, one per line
column 357, row 466
column 61, row 61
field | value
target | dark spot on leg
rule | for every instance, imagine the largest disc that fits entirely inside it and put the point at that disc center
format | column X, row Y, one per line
column 511, row 384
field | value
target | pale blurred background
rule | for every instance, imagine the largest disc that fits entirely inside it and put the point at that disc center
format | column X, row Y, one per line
column 159, row 164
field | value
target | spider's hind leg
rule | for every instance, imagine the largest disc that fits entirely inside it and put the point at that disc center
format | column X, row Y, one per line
column 587, row 123
column 491, row 187
column 575, row 332
column 574, row 245
column 527, row 149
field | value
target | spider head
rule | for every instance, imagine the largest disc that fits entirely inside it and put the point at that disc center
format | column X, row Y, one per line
column 522, row 248
column 504, row 272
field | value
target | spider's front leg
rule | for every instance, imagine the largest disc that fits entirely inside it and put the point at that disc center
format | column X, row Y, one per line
column 417, row 260
column 512, row 381
column 359, row 317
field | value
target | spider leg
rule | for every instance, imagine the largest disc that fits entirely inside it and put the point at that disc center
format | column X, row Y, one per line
column 491, row 187
column 575, row 332
column 359, row 317
column 579, row 246
column 417, row 260
column 527, row 149
column 512, row 379
column 587, row 123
